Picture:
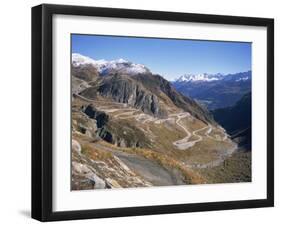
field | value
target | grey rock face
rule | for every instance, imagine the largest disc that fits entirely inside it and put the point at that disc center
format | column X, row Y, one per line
column 124, row 89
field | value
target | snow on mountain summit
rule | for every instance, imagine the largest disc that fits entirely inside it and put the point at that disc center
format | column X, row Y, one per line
column 78, row 59
column 105, row 67
column 199, row 77
column 238, row 77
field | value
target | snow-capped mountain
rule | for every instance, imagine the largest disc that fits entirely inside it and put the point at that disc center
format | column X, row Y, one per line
column 105, row 67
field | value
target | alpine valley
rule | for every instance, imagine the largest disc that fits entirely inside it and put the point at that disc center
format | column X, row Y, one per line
column 133, row 128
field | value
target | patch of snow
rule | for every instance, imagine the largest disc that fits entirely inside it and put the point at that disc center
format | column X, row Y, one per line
column 242, row 79
column 199, row 77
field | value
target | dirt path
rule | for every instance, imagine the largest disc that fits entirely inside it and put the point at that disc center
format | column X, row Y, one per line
column 182, row 143
column 127, row 114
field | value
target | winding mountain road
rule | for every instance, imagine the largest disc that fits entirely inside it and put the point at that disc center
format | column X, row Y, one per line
column 182, row 144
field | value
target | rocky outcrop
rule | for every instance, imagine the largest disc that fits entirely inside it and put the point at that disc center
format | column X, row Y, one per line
column 85, row 125
column 83, row 176
column 100, row 116
column 105, row 170
column 125, row 135
column 124, row 89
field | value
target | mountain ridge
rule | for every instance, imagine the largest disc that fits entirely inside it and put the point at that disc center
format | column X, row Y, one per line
column 149, row 92
column 105, row 67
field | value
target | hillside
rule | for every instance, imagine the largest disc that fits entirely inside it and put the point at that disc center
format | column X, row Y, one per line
column 237, row 120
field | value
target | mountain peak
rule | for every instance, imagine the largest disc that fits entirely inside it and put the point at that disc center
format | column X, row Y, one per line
column 105, row 67
column 78, row 59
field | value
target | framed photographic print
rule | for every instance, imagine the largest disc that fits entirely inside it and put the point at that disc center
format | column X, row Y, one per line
column 145, row 112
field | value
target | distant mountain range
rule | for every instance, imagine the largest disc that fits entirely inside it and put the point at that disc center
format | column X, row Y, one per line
column 215, row 90
column 199, row 77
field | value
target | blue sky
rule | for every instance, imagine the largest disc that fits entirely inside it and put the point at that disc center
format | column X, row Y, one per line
column 170, row 58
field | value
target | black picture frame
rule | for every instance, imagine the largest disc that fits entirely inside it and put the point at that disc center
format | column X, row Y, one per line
column 42, row 111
